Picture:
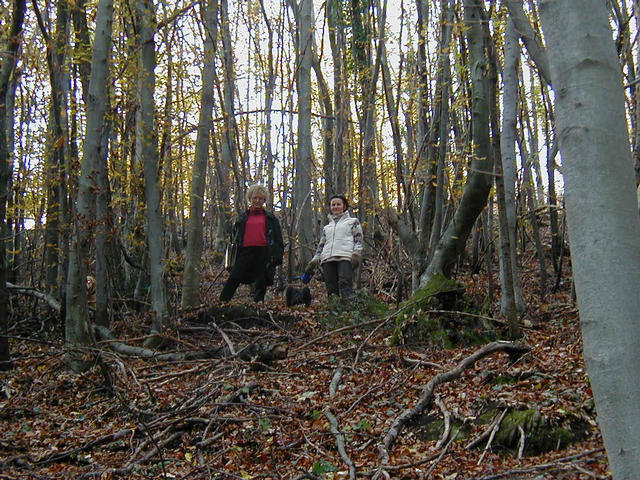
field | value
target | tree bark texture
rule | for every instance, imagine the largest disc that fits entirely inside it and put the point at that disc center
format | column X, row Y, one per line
column 77, row 313
column 479, row 179
column 604, row 226
column 508, row 154
column 6, row 71
column 146, row 148
column 302, row 228
column 193, row 252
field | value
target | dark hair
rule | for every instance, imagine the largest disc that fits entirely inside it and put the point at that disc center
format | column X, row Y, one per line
column 341, row 197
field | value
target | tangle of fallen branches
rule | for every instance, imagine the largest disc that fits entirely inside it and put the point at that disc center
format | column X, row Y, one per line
column 428, row 391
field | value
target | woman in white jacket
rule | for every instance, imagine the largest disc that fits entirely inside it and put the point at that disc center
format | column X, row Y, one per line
column 339, row 249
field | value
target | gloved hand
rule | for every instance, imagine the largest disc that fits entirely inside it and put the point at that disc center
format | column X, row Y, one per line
column 355, row 259
column 306, row 276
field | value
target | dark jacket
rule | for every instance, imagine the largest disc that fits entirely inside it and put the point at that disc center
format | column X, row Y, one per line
column 275, row 243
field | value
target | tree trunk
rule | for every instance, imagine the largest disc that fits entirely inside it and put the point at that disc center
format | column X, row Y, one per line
column 228, row 141
column 443, row 88
column 479, row 179
column 77, row 312
column 367, row 72
column 146, row 143
column 6, row 71
column 193, row 252
column 328, row 125
column 531, row 205
column 530, row 38
column 302, row 227
column 604, row 226
column 57, row 142
column 335, row 170
column 426, row 135
column 508, row 154
column 269, row 87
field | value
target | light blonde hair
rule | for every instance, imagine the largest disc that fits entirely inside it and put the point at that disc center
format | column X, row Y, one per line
column 257, row 188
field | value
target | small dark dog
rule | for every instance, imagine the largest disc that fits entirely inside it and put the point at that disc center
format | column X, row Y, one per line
column 297, row 296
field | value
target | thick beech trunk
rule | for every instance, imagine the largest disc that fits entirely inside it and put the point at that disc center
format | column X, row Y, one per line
column 604, row 226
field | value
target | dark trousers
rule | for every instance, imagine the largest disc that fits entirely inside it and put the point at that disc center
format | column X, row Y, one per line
column 250, row 267
column 338, row 277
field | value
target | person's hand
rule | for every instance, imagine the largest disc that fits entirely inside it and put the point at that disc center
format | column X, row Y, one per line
column 355, row 260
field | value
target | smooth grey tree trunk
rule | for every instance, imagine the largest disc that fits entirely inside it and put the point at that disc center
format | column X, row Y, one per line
column 269, row 87
column 7, row 67
column 335, row 168
column 444, row 85
column 529, row 37
column 604, row 226
column 77, row 312
column 103, row 197
column 303, row 162
column 328, row 123
column 147, row 152
column 426, row 133
column 166, row 150
column 193, row 251
column 367, row 73
column 57, row 150
column 480, row 176
column 392, row 110
column 228, row 142
column 508, row 153
column 527, row 183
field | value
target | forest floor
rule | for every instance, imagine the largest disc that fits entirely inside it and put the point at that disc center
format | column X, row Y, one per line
column 320, row 412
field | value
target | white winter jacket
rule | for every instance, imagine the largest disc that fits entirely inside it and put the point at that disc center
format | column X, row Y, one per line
column 341, row 239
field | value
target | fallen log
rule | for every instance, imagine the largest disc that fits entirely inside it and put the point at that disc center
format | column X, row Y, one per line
column 260, row 353
column 48, row 299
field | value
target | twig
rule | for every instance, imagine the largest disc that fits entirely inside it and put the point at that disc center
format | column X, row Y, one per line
column 447, row 422
column 335, row 381
column 338, row 330
column 364, row 342
column 56, row 457
column 484, row 434
column 587, row 472
column 340, row 442
column 561, row 462
column 521, row 442
column 494, row 430
column 226, row 339
column 373, row 389
column 421, row 363
column 440, row 457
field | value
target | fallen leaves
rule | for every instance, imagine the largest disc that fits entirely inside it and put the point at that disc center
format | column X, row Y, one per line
column 221, row 418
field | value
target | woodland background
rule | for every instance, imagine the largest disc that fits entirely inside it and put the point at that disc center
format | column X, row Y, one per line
column 131, row 132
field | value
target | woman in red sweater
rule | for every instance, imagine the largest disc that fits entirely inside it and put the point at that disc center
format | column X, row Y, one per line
column 257, row 237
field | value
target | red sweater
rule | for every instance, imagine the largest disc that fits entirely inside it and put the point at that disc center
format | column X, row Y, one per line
column 255, row 231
